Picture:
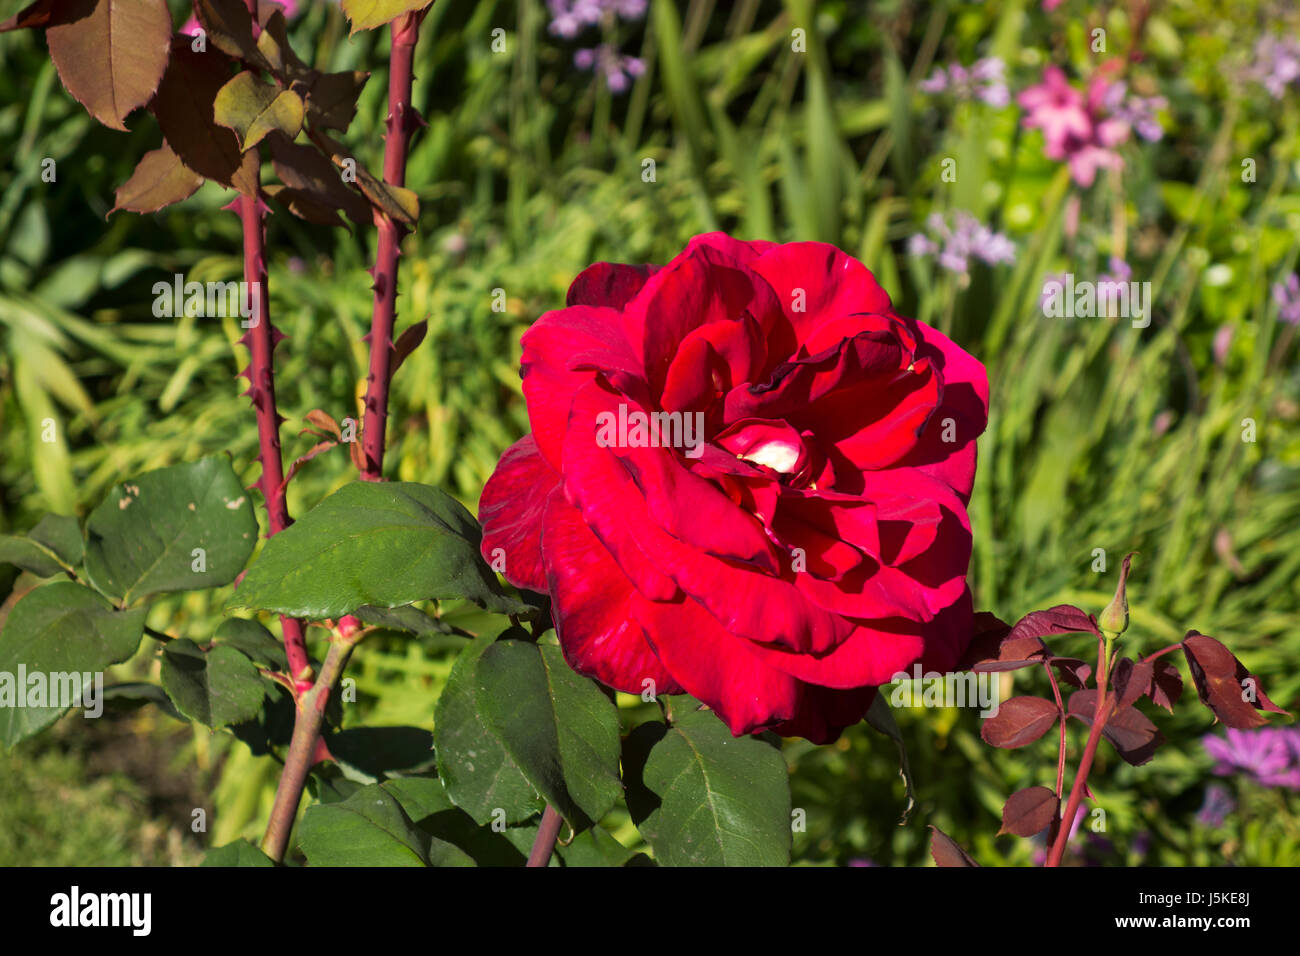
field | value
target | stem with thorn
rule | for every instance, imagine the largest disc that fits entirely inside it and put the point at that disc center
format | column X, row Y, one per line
column 306, row 747
column 261, row 339
column 402, row 119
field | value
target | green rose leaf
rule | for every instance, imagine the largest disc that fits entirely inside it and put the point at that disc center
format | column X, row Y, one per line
column 478, row 771
column 382, row 543
column 62, row 632
column 216, row 687
column 135, row 694
column 368, row 754
column 556, row 727
column 406, row 618
column 370, row 828
column 881, row 719
column 597, row 847
column 425, row 801
column 181, row 528
column 723, row 800
column 253, row 640
column 50, row 548
column 239, row 853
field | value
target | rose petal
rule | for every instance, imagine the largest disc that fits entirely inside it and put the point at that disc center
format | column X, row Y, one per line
column 560, row 351
column 716, row 667
column 591, row 606
column 609, row 284
column 510, row 511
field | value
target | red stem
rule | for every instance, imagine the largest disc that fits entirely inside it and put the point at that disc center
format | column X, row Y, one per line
column 1060, row 710
column 547, row 834
column 305, row 748
column 1085, row 764
column 401, row 120
column 1162, row 652
column 261, row 340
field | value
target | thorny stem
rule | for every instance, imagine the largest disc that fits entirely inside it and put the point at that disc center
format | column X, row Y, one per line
column 547, row 834
column 261, row 340
column 304, row 747
column 1089, row 752
column 401, row 121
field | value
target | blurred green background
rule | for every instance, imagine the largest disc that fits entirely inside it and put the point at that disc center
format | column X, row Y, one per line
column 1101, row 436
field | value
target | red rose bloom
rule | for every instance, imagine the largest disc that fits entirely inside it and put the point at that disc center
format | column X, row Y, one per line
column 746, row 480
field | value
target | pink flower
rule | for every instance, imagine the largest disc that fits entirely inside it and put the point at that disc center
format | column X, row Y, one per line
column 1081, row 129
column 1223, row 342
column 1058, row 109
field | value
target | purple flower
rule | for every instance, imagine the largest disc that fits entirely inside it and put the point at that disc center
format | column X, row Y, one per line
column 1287, row 296
column 570, row 17
column 983, row 81
column 1137, row 112
column 1119, row 272
column 618, row 69
column 1270, row 755
column 967, row 237
column 921, row 245
column 1084, row 128
column 1277, row 64
column 1216, row 806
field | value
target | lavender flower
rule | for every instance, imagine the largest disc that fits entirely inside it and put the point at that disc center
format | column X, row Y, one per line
column 618, row 69
column 1119, row 272
column 1287, row 297
column 984, row 81
column 570, row 17
column 1269, row 755
column 1216, row 806
column 966, row 237
column 1138, row 112
column 1277, row 64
